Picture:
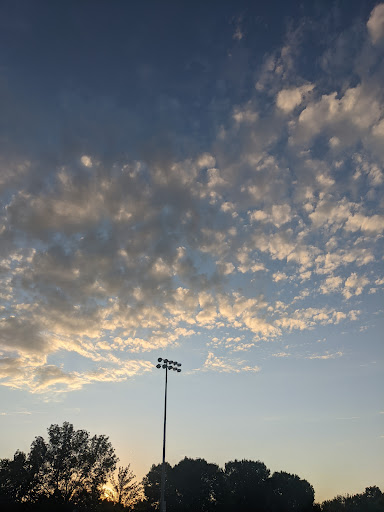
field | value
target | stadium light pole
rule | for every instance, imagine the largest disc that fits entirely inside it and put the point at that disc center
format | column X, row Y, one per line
column 175, row 366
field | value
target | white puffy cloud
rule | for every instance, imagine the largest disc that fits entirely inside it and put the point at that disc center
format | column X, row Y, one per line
column 371, row 169
column 328, row 262
column 343, row 214
column 279, row 215
column 289, row 99
column 372, row 224
column 86, row 161
column 331, row 284
column 279, row 276
column 246, row 264
column 354, row 285
column 346, row 119
column 206, row 160
column 378, row 129
column 308, row 318
column 258, row 215
column 375, row 24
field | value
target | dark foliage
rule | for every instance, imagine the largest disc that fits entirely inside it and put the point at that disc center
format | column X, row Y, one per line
column 246, row 486
column 69, row 469
column 124, row 492
column 68, row 472
column 246, row 483
column 288, row 493
column 372, row 500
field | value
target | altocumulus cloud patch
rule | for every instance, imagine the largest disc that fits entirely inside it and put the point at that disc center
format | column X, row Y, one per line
column 112, row 257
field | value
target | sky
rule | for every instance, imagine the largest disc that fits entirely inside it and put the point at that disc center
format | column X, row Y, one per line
column 201, row 181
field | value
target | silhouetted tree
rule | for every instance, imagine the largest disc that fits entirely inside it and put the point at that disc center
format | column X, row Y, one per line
column 125, row 491
column 246, row 485
column 199, row 485
column 191, row 485
column 372, row 500
column 151, row 486
column 289, row 493
column 15, row 478
column 71, row 467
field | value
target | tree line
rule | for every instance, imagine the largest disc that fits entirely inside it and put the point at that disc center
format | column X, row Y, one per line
column 71, row 471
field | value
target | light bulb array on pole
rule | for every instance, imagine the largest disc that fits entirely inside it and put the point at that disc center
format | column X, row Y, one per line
column 166, row 364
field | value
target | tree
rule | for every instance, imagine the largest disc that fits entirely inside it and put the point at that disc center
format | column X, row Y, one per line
column 199, row 485
column 70, row 467
column 191, row 485
column 15, row 479
column 125, row 491
column 289, row 493
column 151, row 486
column 372, row 500
column 246, row 485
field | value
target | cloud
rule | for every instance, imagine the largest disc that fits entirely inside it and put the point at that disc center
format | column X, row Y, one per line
column 86, row 161
column 373, row 224
column 378, row 130
column 225, row 365
column 326, row 356
column 239, row 32
column 331, row 284
column 245, row 116
column 279, row 276
column 279, row 215
column 347, row 118
column 341, row 214
column 308, row 318
column 281, row 354
column 354, row 285
column 289, row 99
column 109, row 254
column 375, row 24
column 27, row 413
column 22, row 334
column 46, row 378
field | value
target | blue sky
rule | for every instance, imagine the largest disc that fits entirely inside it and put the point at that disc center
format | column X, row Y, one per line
column 204, row 183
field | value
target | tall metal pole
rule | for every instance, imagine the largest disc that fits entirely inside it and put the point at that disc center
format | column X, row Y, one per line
column 162, row 493
column 167, row 365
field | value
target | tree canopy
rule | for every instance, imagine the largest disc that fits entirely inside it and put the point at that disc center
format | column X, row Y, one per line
column 124, row 490
column 70, row 469
column 371, row 500
column 245, row 485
